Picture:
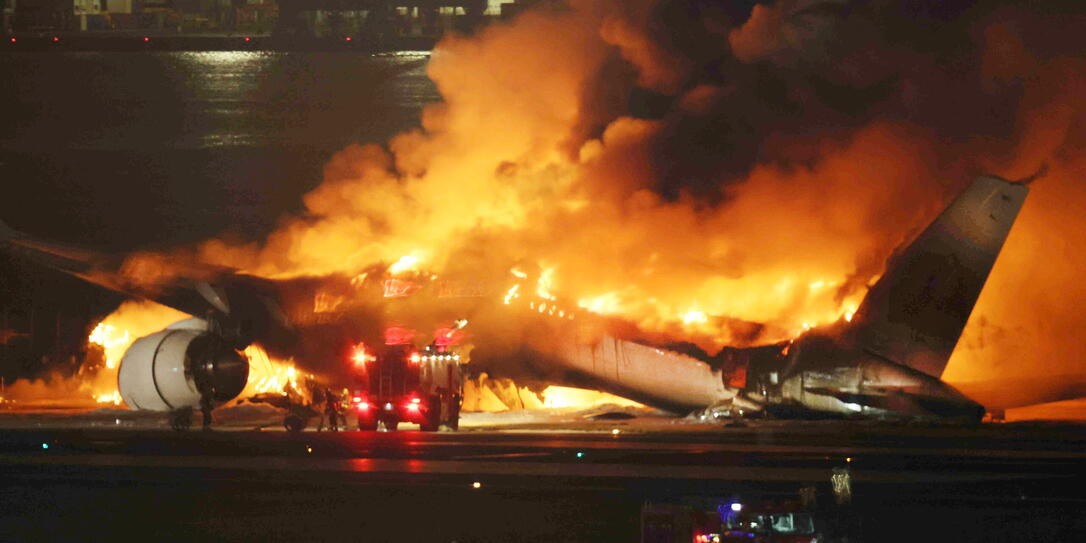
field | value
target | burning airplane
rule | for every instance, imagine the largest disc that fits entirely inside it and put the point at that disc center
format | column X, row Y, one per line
column 884, row 361
column 693, row 209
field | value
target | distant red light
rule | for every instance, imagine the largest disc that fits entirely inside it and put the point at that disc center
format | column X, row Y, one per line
column 443, row 337
column 145, row 38
column 12, row 40
column 247, row 38
column 363, row 406
column 395, row 335
column 56, row 38
column 348, row 38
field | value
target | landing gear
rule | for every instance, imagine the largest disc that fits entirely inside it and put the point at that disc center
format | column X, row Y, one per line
column 434, row 414
column 294, row 424
column 453, row 422
column 181, row 419
column 444, row 411
column 431, row 422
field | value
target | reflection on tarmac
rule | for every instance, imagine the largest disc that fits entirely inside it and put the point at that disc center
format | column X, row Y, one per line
column 577, row 482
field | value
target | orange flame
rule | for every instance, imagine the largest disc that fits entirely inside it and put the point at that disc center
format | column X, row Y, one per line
column 269, row 375
column 135, row 319
column 563, row 397
column 116, row 333
column 536, row 163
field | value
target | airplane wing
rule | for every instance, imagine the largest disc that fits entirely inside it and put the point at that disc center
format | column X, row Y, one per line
column 70, row 260
column 185, row 286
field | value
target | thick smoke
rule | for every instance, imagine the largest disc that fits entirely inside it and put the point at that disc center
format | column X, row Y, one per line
column 726, row 175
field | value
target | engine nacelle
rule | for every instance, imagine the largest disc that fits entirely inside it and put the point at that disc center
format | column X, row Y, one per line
column 166, row 370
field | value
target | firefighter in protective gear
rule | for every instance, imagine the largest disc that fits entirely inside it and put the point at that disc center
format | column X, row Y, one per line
column 206, row 405
column 318, row 405
column 331, row 410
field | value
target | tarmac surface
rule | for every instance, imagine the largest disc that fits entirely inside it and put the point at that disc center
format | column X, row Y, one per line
column 547, row 478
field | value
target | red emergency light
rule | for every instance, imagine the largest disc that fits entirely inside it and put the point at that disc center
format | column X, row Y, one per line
column 359, row 355
column 414, row 405
column 363, row 406
column 395, row 335
column 146, row 39
column 447, row 336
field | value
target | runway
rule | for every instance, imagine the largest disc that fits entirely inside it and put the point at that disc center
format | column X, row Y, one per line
column 572, row 482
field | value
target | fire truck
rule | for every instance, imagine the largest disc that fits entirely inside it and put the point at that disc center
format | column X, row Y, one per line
column 707, row 520
column 399, row 383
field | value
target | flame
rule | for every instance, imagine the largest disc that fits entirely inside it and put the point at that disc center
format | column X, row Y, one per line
column 565, row 397
column 406, row 263
column 607, row 303
column 114, row 398
column 96, row 382
column 269, row 375
column 486, row 394
column 783, row 225
column 506, row 169
column 114, row 341
column 545, row 283
column 511, row 294
column 115, row 334
column 135, row 319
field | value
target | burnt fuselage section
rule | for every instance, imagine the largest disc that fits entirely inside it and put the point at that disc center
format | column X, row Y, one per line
column 832, row 375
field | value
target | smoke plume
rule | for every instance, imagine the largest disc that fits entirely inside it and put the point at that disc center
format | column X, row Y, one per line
column 725, row 175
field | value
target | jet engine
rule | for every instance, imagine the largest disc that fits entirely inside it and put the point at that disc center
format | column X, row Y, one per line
column 167, row 370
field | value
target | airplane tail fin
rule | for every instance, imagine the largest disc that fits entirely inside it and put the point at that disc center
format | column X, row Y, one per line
column 915, row 313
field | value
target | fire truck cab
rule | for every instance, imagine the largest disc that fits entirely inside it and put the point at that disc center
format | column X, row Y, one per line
column 400, row 383
column 770, row 520
column 767, row 522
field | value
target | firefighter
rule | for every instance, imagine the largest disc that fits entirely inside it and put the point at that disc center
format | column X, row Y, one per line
column 206, row 405
column 318, row 404
column 206, row 387
column 331, row 409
